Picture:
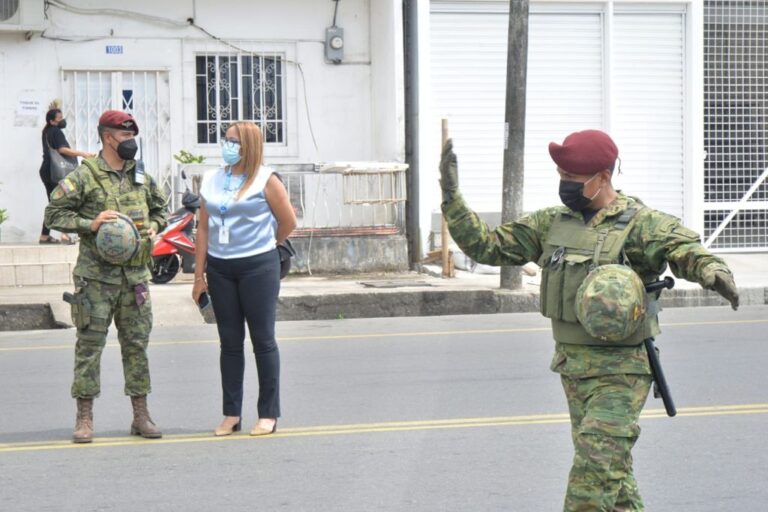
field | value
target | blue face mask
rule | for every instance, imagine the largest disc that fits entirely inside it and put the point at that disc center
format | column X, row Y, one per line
column 230, row 152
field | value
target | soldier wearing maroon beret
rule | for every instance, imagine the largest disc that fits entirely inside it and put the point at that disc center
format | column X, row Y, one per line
column 605, row 375
column 112, row 187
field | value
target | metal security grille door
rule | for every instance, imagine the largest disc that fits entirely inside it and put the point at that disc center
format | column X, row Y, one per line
column 736, row 125
column 144, row 94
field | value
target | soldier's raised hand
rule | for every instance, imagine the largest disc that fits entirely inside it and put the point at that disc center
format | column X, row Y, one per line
column 449, row 171
column 725, row 286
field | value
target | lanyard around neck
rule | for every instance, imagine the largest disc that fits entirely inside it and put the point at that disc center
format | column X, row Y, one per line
column 231, row 193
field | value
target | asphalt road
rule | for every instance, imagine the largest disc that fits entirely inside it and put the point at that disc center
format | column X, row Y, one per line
column 399, row 414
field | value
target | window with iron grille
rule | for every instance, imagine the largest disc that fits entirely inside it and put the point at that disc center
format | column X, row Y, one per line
column 240, row 87
column 736, row 123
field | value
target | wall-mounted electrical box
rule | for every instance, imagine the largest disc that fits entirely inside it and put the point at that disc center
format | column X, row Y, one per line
column 334, row 44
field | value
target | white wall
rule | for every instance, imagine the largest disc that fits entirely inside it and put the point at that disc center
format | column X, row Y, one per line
column 355, row 109
column 387, row 86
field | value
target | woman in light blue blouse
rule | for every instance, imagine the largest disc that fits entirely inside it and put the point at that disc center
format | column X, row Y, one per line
column 246, row 213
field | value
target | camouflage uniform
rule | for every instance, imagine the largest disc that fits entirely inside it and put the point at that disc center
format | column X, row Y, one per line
column 105, row 291
column 606, row 385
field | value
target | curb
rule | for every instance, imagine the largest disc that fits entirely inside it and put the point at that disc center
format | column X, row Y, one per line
column 405, row 303
column 464, row 302
column 365, row 304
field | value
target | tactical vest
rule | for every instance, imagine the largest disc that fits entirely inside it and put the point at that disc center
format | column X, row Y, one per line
column 570, row 250
column 132, row 203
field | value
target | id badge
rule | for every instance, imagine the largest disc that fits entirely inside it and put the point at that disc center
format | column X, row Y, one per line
column 223, row 235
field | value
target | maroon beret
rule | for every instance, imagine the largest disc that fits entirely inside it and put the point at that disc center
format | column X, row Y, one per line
column 586, row 152
column 118, row 120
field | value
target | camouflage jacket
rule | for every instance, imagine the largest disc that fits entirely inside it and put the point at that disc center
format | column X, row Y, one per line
column 655, row 241
column 79, row 198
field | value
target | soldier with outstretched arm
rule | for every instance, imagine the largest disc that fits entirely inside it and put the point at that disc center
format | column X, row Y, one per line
column 602, row 363
column 111, row 284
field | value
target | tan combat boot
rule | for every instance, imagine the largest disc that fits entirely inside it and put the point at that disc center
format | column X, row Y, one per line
column 84, row 423
column 142, row 424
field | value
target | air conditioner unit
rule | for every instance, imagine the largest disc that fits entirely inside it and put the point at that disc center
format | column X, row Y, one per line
column 22, row 15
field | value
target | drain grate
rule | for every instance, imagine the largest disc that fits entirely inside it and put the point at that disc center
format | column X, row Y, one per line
column 403, row 283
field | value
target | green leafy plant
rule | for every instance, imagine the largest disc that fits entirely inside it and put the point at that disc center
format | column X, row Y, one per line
column 185, row 157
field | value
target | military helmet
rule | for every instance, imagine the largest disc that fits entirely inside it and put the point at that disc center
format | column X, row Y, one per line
column 118, row 241
column 611, row 302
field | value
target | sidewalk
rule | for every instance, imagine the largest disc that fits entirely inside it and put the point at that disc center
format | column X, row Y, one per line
column 381, row 295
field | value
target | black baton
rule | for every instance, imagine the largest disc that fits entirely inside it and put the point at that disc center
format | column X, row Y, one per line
column 653, row 358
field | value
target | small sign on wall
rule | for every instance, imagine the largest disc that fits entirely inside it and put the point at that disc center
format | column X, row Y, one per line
column 114, row 49
column 29, row 110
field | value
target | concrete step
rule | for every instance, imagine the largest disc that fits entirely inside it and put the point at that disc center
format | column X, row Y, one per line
column 25, row 265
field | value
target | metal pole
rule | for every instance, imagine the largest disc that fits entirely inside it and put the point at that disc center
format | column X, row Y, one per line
column 514, row 126
column 411, row 57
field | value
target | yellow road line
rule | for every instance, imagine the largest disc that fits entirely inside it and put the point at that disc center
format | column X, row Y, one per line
column 364, row 336
column 368, row 428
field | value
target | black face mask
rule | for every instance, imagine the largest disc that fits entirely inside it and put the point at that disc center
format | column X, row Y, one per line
column 572, row 195
column 127, row 149
column 62, row 124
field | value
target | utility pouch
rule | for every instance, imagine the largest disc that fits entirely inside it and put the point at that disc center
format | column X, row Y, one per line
column 551, row 275
column 560, row 280
column 576, row 268
column 80, row 307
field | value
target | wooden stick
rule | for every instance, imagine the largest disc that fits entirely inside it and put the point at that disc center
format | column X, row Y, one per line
column 444, row 236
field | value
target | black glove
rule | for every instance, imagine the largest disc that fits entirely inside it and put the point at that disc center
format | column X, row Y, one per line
column 725, row 286
column 449, row 172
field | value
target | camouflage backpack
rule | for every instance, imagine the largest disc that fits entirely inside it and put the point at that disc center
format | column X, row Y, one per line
column 611, row 302
column 118, row 241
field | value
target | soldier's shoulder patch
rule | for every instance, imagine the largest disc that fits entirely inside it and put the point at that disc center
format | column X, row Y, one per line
column 57, row 194
column 67, row 186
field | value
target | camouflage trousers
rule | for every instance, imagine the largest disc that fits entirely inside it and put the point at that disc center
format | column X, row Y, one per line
column 97, row 305
column 604, row 414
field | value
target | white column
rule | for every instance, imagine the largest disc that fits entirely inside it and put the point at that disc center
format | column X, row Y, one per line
column 693, row 197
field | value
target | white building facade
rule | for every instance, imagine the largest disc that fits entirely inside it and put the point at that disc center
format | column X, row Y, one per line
column 259, row 61
column 633, row 68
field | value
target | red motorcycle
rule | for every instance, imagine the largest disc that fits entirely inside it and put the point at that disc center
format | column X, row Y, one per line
column 176, row 241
